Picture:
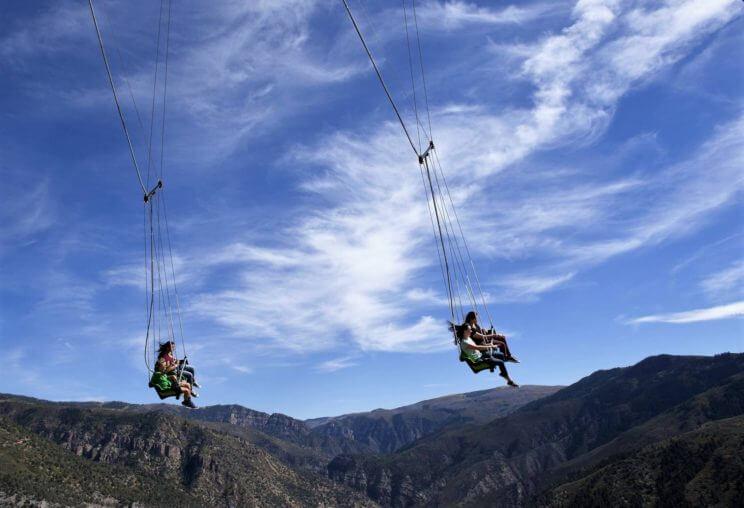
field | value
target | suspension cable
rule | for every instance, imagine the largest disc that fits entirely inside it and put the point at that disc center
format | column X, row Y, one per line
column 173, row 273
column 413, row 82
column 165, row 92
column 379, row 76
column 423, row 74
column 122, row 65
column 454, row 243
column 441, row 239
column 154, row 95
column 440, row 206
column 150, row 313
column 464, row 240
column 116, row 99
column 433, row 227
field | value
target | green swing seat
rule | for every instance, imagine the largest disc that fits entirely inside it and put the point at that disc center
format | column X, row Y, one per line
column 476, row 367
column 163, row 386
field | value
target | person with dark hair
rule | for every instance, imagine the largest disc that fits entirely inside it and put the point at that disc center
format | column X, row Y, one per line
column 188, row 373
column 167, row 366
column 480, row 337
column 468, row 333
column 184, row 370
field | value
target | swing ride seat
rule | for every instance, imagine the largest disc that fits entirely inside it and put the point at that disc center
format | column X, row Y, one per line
column 164, row 393
column 476, row 367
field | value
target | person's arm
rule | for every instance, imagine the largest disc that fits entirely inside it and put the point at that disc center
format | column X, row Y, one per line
column 162, row 365
column 485, row 336
column 475, row 346
column 165, row 366
column 485, row 348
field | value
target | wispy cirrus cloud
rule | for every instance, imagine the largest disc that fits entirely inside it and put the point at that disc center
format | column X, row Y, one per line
column 360, row 264
column 335, row 364
column 526, row 287
column 242, row 67
column 563, row 228
column 453, row 15
column 731, row 310
column 725, row 281
column 25, row 216
column 53, row 30
column 341, row 271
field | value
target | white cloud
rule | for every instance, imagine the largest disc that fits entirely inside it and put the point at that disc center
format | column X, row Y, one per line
column 725, row 281
column 354, row 269
column 25, row 215
column 518, row 287
column 428, row 296
column 581, row 72
column 351, row 270
column 453, row 15
column 233, row 68
column 336, row 364
column 53, row 30
column 731, row 310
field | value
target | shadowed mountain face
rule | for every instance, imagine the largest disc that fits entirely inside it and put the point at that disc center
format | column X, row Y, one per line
column 387, row 430
column 704, row 467
column 666, row 429
column 212, row 467
column 33, row 469
column 381, row 430
column 507, row 461
column 218, row 455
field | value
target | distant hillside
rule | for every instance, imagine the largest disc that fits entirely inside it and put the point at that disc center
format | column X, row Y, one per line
column 218, row 455
column 704, row 467
column 387, row 430
column 212, row 467
column 507, row 461
column 33, row 469
column 381, row 430
column 666, row 431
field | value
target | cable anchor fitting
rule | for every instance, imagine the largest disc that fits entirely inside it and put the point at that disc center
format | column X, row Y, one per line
column 424, row 155
column 150, row 194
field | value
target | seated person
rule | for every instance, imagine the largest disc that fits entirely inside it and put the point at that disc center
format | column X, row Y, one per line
column 166, row 365
column 183, row 371
column 481, row 338
column 474, row 353
column 187, row 372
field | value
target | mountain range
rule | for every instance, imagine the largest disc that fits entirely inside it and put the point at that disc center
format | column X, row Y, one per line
column 668, row 431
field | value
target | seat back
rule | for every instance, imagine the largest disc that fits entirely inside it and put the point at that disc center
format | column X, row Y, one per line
column 164, row 394
column 476, row 367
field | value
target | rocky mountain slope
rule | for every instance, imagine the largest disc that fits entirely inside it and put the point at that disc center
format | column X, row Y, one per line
column 381, row 430
column 212, row 467
column 509, row 460
column 704, row 467
column 387, row 430
column 220, row 455
column 666, row 430
column 33, row 469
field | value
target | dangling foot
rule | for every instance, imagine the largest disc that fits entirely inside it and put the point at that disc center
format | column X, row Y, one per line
column 197, row 384
column 512, row 384
column 194, row 394
column 189, row 404
column 512, row 359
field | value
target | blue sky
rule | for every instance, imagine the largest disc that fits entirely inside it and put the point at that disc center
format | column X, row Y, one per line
column 594, row 150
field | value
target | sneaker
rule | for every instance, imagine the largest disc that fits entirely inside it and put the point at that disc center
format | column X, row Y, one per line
column 197, row 384
column 194, row 394
column 189, row 404
column 512, row 384
column 512, row 359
